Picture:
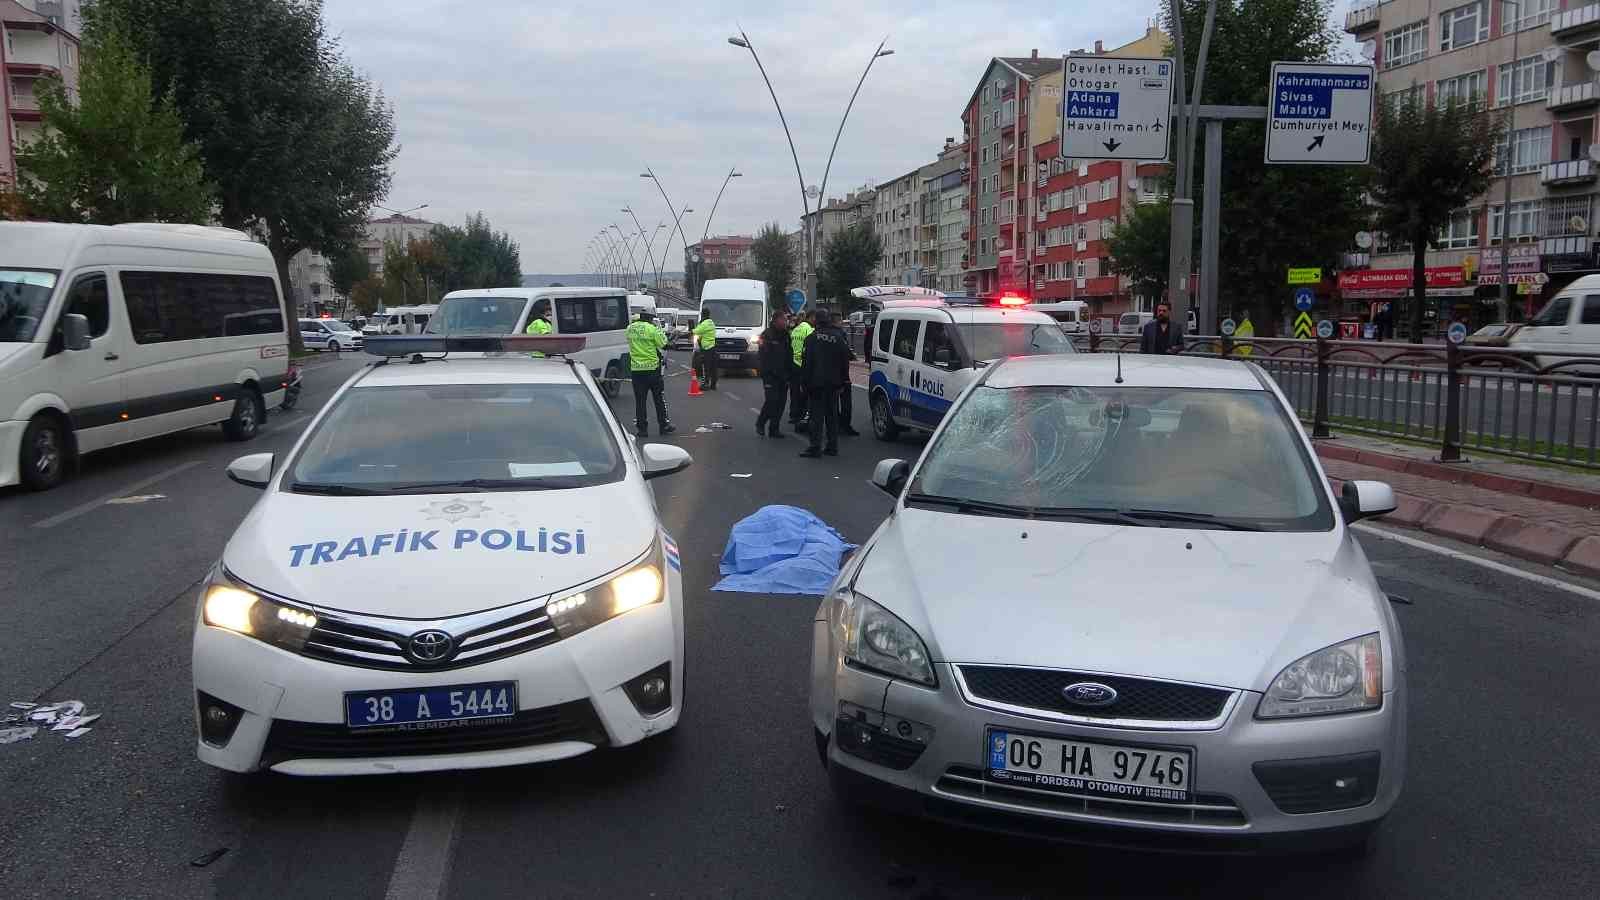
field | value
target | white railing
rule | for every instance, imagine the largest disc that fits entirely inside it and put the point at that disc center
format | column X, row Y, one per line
column 1569, row 170
column 1563, row 246
column 1573, row 95
column 1576, row 17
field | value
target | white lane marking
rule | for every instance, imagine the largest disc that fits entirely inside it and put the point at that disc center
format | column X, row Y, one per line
column 136, row 498
column 756, row 411
column 123, row 491
column 1489, row 564
column 422, row 867
column 735, row 397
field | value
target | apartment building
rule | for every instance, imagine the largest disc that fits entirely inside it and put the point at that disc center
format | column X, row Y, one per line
column 398, row 228
column 1528, row 59
column 38, row 40
column 309, row 285
column 896, row 220
column 727, row 254
column 943, row 220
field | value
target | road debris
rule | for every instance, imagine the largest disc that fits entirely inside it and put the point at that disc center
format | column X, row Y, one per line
column 23, row 720
column 136, row 498
column 206, row 859
column 740, row 474
column 17, row 733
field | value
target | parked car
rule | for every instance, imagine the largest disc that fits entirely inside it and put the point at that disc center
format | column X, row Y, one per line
column 329, row 334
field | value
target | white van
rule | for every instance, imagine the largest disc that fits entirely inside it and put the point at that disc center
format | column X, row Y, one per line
column 679, row 326
column 739, row 307
column 400, row 320
column 112, row 334
column 1569, row 323
column 641, row 304
column 599, row 314
column 1072, row 314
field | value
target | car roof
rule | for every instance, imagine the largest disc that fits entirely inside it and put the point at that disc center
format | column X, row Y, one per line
column 529, row 293
column 516, row 369
column 1101, row 370
column 963, row 315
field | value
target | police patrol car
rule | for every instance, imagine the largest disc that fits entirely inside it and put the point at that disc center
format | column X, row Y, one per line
column 466, row 588
column 926, row 351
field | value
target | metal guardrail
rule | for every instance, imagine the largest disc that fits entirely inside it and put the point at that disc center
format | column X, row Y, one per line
column 1493, row 400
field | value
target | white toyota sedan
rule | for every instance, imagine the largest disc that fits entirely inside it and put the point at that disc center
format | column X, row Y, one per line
column 1117, row 602
column 459, row 565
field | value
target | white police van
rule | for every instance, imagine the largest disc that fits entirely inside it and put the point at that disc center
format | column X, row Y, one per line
column 926, row 351
column 463, row 589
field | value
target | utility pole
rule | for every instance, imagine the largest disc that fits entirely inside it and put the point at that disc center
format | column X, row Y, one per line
column 1183, row 126
column 1503, row 301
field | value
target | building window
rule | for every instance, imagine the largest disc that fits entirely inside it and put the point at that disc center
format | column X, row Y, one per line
column 1413, row 94
column 1524, row 220
column 994, row 151
column 1080, row 267
column 1405, row 44
column 1468, row 88
column 1460, row 232
column 1533, row 14
column 1533, row 77
column 1559, row 213
column 1530, row 149
column 1464, row 26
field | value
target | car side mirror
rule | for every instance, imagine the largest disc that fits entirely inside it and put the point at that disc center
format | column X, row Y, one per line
column 253, row 471
column 1365, row 500
column 75, row 331
column 942, row 357
column 663, row 459
column 890, row 476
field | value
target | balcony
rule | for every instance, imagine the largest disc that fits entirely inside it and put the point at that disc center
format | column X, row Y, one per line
column 1361, row 21
column 1355, row 261
column 1576, row 23
column 1573, row 97
column 1568, row 173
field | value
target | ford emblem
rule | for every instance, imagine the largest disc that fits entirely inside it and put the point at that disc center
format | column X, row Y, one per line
column 1090, row 693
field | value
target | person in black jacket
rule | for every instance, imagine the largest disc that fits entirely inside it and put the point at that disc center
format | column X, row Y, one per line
column 777, row 370
column 825, row 370
column 1159, row 335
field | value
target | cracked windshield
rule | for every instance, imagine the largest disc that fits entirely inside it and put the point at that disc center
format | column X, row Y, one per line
column 1117, row 432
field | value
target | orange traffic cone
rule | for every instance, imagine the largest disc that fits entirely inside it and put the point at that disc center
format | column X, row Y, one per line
column 694, row 384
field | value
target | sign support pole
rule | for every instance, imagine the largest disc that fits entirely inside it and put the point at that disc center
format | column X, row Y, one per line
column 1211, row 229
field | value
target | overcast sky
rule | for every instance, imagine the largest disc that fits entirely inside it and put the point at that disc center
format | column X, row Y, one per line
column 542, row 114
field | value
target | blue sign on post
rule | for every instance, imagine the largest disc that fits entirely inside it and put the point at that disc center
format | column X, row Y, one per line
column 1457, row 333
column 797, row 299
column 1303, row 299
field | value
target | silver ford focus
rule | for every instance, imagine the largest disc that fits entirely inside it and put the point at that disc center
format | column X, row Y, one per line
column 1117, row 602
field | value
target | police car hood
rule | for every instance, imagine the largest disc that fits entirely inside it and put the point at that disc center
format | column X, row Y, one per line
column 429, row 556
column 1229, row 608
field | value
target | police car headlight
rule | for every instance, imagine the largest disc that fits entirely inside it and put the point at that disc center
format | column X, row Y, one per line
column 637, row 586
column 234, row 607
column 1341, row 678
column 873, row 638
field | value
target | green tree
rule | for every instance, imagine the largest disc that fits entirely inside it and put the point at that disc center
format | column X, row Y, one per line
column 1141, row 247
column 118, row 154
column 348, row 269
column 1273, row 217
column 298, row 144
column 1428, row 163
column 365, row 295
column 772, row 261
column 475, row 256
column 848, row 259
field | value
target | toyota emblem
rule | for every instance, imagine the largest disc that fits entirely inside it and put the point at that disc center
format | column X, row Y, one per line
column 1090, row 693
column 432, row 646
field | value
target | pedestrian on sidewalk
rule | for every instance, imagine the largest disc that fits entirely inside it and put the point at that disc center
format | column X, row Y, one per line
column 705, row 351
column 826, row 369
column 777, row 371
column 1158, row 335
column 797, row 390
column 645, row 341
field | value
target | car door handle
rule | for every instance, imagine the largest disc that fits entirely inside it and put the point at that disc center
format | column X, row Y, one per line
column 111, row 357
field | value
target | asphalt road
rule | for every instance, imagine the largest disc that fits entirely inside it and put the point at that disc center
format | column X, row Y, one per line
column 96, row 602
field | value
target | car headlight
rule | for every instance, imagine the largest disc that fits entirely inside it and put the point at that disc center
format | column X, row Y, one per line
column 235, row 607
column 639, row 585
column 1341, row 678
column 873, row 638
column 755, row 342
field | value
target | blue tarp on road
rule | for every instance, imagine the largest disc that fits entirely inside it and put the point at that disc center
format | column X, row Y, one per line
column 781, row 550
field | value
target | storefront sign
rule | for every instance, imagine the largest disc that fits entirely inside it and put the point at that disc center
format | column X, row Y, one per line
column 1517, row 278
column 1398, row 281
column 1520, row 259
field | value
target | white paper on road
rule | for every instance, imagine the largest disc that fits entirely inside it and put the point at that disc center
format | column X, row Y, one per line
column 73, row 735
column 136, row 498
column 740, row 475
column 21, row 733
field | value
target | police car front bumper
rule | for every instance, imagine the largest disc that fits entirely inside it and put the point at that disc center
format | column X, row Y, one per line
column 572, row 697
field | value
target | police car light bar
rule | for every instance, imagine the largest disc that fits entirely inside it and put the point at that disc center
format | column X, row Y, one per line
column 391, row 346
column 895, row 292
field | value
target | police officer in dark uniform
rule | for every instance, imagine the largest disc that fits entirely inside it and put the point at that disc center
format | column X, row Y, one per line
column 825, row 368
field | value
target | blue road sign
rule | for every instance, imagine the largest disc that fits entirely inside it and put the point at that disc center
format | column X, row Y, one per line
column 1303, row 298
column 1457, row 332
column 797, row 299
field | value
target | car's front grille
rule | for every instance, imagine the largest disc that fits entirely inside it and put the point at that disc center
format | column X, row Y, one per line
column 574, row 721
column 1140, row 699
column 373, row 642
column 966, row 782
column 732, row 344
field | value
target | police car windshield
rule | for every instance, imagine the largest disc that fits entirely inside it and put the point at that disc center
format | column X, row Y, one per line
column 1155, row 456
column 459, row 437
column 737, row 313
column 997, row 340
column 476, row 315
column 24, row 294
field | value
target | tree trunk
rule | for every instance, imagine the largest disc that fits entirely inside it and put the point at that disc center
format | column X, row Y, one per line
column 291, row 315
column 1419, row 285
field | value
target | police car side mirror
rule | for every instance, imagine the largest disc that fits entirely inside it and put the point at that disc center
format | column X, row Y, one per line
column 1365, row 500
column 942, row 357
column 657, row 460
column 254, row 470
column 890, row 476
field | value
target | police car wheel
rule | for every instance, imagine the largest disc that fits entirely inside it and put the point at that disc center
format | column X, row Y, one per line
column 883, row 426
column 246, row 418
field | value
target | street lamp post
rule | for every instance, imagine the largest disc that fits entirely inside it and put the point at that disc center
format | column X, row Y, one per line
column 823, row 195
column 677, row 219
column 627, row 243
column 650, row 251
column 699, row 278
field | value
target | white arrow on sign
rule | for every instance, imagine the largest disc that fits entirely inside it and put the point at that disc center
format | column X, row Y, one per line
column 1113, row 108
column 1320, row 114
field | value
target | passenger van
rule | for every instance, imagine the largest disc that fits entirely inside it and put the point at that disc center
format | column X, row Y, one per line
column 599, row 314
column 1072, row 314
column 112, row 334
column 739, row 307
column 1569, row 323
column 641, row 304
column 400, row 320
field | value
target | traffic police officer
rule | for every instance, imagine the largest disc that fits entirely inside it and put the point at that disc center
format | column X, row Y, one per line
column 797, row 388
column 705, row 351
column 540, row 324
column 645, row 341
